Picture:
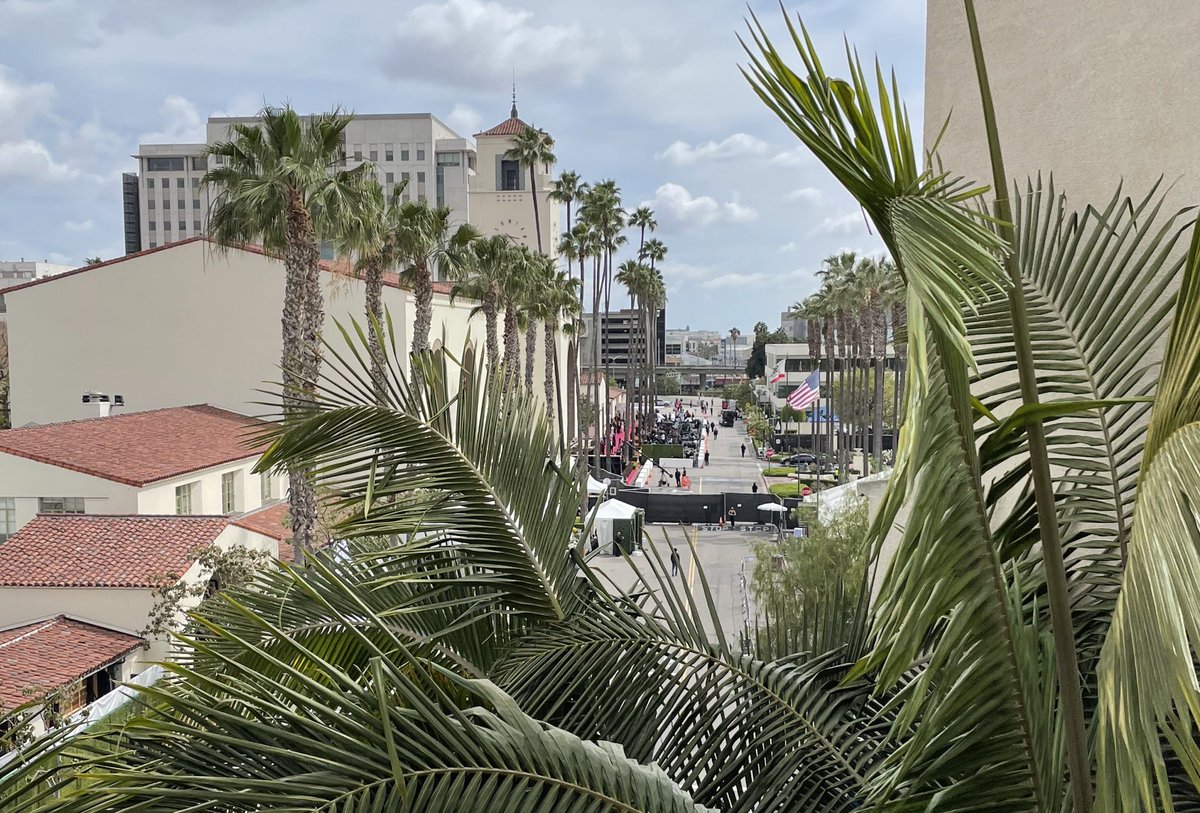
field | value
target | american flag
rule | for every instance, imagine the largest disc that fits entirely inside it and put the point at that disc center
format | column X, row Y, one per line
column 807, row 393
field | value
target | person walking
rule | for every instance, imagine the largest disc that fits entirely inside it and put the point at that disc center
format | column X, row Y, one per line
column 732, row 518
column 687, row 481
column 706, row 457
column 595, row 541
column 674, row 561
column 715, row 433
column 677, row 478
column 743, row 450
column 754, row 488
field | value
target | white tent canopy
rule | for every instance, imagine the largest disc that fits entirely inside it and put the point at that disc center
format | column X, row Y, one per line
column 603, row 516
column 594, row 486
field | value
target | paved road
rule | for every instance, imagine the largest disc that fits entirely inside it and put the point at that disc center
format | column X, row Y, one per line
column 723, row 556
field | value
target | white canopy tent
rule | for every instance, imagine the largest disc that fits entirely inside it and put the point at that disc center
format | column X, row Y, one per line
column 605, row 514
column 594, row 486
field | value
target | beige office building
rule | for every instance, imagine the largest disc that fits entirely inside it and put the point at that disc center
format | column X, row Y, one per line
column 1097, row 92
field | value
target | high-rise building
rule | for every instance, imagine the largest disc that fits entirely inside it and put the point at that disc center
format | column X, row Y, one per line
column 413, row 148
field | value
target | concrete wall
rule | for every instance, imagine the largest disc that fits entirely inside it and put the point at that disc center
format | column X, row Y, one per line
column 185, row 325
column 1089, row 91
column 27, row 480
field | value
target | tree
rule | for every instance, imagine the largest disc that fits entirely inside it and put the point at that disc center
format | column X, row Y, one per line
column 426, row 238
column 642, row 219
column 92, row 260
column 530, row 148
column 516, row 275
column 482, row 278
column 227, row 569
column 275, row 186
column 567, row 189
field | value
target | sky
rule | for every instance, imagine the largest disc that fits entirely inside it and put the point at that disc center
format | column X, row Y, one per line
column 646, row 92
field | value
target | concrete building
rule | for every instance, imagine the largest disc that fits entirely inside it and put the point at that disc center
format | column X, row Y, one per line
column 170, row 205
column 616, row 330
column 184, row 460
column 1089, row 92
column 796, row 327
column 500, row 199
column 677, row 344
column 186, row 324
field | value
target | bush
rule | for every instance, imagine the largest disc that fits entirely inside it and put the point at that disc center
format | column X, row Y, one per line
column 790, row 489
column 780, row 471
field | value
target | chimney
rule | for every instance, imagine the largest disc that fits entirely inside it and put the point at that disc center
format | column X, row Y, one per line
column 103, row 402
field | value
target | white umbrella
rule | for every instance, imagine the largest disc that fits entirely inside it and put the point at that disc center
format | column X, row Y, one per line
column 772, row 506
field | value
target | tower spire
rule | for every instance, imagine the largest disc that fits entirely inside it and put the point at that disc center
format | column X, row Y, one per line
column 513, row 113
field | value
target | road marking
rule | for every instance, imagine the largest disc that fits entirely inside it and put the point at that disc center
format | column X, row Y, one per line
column 691, row 579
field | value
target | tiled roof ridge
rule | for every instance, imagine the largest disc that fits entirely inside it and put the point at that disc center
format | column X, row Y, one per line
column 47, row 624
column 123, row 416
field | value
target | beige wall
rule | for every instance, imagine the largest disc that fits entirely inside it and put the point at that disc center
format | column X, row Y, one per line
column 27, row 480
column 185, row 325
column 1096, row 92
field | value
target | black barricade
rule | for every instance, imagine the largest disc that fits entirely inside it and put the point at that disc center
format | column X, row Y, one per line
column 686, row 508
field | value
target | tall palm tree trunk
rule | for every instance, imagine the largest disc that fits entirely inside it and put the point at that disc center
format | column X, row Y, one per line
column 530, row 352
column 423, row 319
column 827, row 331
column 549, row 369
column 512, row 350
column 630, row 375
column 572, row 388
column 879, row 353
column 374, row 294
column 597, row 432
column 303, row 319
column 490, row 329
column 608, row 353
column 537, row 221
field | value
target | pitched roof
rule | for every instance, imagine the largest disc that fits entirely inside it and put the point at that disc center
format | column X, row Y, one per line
column 39, row 658
column 270, row 520
column 509, row 127
column 340, row 267
column 96, row 550
column 139, row 447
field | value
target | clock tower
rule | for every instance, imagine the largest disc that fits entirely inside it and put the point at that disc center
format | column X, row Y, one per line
column 500, row 199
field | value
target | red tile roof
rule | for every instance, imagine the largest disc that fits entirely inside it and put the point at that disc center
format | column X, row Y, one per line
column 95, row 550
column 139, row 447
column 271, row 520
column 39, row 658
column 509, row 127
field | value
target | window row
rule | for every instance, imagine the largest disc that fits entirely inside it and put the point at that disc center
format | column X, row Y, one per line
column 176, row 164
column 231, row 500
column 180, row 183
column 166, row 204
column 167, row 226
column 389, row 152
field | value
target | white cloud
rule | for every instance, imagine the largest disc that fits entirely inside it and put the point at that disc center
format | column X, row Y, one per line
column 754, row 279
column 29, row 160
column 477, row 44
column 796, row 157
column 788, row 247
column 464, row 120
column 21, row 104
column 849, row 223
column 807, row 194
column 737, row 145
column 181, row 123
column 80, row 226
column 676, row 203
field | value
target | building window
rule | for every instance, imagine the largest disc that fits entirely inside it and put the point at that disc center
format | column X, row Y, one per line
column 358, row 152
column 196, row 225
column 183, row 225
column 229, row 492
column 200, row 165
column 448, row 159
column 510, row 176
column 373, row 152
column 165, row 165
column 441, row 186
column 150, row 203
column 403, row 152
column 404, row 178
column 388, row 152
column 195, row 183
column 153, row 225
column 8, row 517
column 390, row 177
column 195, row 203
column 60, row 505
column 183, row 499
column 180, row 183
column 149, row 183
column 165, row 183
column 264, row 484
column 153, row 244
column 166, row 225
column 421, row 197
column 166, row 203
column 420, row 152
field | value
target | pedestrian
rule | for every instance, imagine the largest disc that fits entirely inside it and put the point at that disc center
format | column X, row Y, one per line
column 754, row 488
column 706, row 457
column 674, row 561
column 677, row 478
column 595, row 541
column 715, row 433
column 687, row 481
column 743, row 450
column 732, row 518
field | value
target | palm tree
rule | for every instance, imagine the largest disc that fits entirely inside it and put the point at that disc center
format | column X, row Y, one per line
column 655, row 297
column 558, row 303
column 92, row 260
column 654, row 251
column 516, row 273
column 642, row 218
column 426, row 238
column 530, row 148
column 635, row 277
column 533, row 296
column 734, row 333
column 567, row 189
column 602, row 212
column 278, row 184
column 482, row 279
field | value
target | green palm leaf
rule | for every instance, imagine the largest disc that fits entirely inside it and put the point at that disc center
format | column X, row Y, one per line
column 1147, row 675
